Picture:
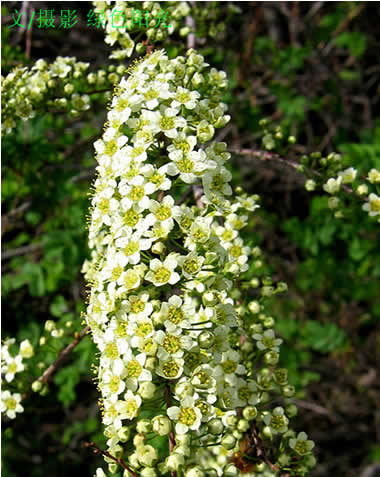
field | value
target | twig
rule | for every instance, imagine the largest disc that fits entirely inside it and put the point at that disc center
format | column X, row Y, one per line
column 198, row 192
column 20, row 251
column 44, row 378
column 272, row 156
column 120, row 461
column 191, row 41
column 171, row 437
column 316, row 408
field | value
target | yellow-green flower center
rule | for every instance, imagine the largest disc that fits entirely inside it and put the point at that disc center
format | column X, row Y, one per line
column 191, row 266
column 175, row 315
column 161, row 275
column 170, row 369
column 301, row 447
column 114, row 383
column 167, row 123
column 137, row 193
column 235, row 251
column 116, row 272
column 187, row 416
column 111, row 351
column 244, row 393
column 104, row 205
column 11, row 404
column 375, row 205
column 137, row 306
column 134, row 369
column 227, row 235
column 131, row 218
column 163, row 212
column 183, row 146
column 131, row 248
column 110, row 148
column 151, row 94
column 156, row 178
column 185, row 165
column 277, row 422
column 144, row 329
column 217, row 182
column 130, row 279
column 122, row 104
column 12, row 368
column 183, row 97
column 229, row 366
column 171, row 344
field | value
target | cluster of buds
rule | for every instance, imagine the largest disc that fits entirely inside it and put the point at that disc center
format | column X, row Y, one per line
column 64, row 85
column 127, row 22
column 166, row 304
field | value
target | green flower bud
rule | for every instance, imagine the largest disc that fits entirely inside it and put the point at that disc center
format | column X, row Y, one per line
column 249, row 413
column 228, row 441
column 215, row 426
column 36, row 386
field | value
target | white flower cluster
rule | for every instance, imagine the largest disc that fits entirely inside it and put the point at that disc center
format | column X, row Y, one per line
column 163, row 306
column 59, row 85
column 126, row 22
column 11, row 364
column 347, row 176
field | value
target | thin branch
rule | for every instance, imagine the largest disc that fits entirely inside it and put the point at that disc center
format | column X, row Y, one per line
column 120, row 461
column 171, row 438
column 20, row 251
column 44, row 378
column 272, row 156
column 191, row 40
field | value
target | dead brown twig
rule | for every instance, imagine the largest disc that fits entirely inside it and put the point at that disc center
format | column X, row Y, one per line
column 120, row 461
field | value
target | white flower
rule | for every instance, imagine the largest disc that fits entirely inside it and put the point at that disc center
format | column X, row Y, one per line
column 155, row 91
column 138, row 306
column 12, row 367
column 10, row 404
column 182, row 145
column 217, row 182
column 277, row 421
column 136, row 193
column 301, row 445
column 176, row 313
column 129, row 408
column 158, row 177
column 185, row 97
column 135, row 371
column 191, row 264
column 111, row 384
column 163, row 211
column 332, row 186
column 230, row 364
column 348, row 175
column 131, row 247
column 131, row 278
column 188, row 416
column 172, row 344
column 161, row 273
column 169, row 122
column 373, row 205
column 373, row 176
column 189, row 166
column 26, row 349
column 161, row 425
column 171, row 368
column 267, row 340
